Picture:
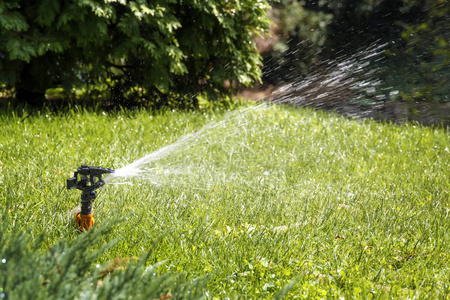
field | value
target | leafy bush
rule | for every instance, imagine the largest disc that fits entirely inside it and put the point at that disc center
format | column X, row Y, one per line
column 154, row 51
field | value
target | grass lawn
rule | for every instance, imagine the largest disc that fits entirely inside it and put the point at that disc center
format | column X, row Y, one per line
column 266, row 201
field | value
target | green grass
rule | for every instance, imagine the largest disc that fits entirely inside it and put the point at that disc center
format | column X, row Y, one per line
column 273, row 200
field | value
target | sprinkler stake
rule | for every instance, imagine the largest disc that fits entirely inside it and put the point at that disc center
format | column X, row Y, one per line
column 87, row 179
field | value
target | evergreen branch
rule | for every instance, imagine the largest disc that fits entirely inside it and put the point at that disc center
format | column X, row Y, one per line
column 117, row 264
column 54, row 258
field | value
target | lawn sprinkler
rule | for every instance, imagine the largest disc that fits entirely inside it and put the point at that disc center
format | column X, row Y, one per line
column 87, row 179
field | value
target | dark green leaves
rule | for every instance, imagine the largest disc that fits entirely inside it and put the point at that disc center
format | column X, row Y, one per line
column 164, row 48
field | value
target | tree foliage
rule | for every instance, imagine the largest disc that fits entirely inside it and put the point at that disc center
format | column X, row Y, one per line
column 138, row 49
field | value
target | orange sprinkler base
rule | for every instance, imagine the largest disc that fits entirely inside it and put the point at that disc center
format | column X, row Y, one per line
column 85, row 222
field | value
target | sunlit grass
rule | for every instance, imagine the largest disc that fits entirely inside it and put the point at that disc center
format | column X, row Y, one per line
column 267, row 196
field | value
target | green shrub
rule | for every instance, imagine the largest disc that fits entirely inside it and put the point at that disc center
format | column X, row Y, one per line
column 152, row 51
column 68, row 271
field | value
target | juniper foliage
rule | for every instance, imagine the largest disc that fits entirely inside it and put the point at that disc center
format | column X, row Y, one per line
column 68, row 270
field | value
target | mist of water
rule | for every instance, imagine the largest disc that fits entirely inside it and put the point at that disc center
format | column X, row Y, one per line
column 333, row 82
column 170, row 160
column 339, row 84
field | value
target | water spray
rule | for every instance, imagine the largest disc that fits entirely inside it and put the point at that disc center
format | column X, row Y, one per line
column 87, row 179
